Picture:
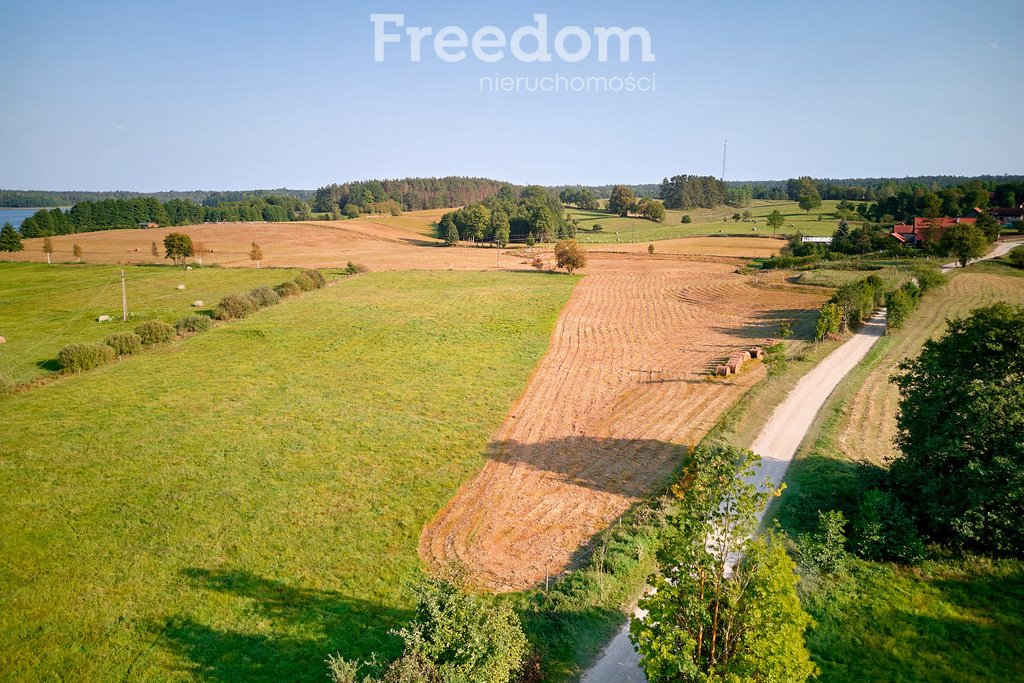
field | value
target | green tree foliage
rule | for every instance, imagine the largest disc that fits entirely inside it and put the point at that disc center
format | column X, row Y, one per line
column 964, row 242
column 830, row 321
column 455, row 637
column 10, row 240
column 535, row 210
column 192, row 324
column 235, row 306
column 825, row 549
column 898, row 304
column 500, row 228
column 1017, row 258
column 447, row 230
column 622, row 200
column 775, row 220
column 409, row 194
column 809, row 197
column 652, row 209
column 687, row 218
column 989, row 225
column 693, row 192
column 711, row 617
column 858, row 299
column 570, row 255
column 177, row 247
column 580, row 197
column 883, row 530
column 961, row 432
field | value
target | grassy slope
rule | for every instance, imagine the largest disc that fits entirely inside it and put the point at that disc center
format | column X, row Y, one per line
column 952, row 619
column 43, row 307
column 705, row 222
column 239, row 504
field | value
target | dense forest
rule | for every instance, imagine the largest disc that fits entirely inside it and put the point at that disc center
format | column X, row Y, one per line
column 45, row 198
column 693, row 192
column 533, row 213
column 870, row 189
column 110, row 214
column 405, row 194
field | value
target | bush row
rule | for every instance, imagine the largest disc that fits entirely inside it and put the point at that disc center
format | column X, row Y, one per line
column 237, row 306
column 79, row 357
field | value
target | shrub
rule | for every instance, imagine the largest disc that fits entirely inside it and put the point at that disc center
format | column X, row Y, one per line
column 193, row 323
column 317, row 277
column 824, row 549
column 355, row 268
column 154, row 332
column 1017, row 258
column 883, row 531
column 81, row 357
column 288, row 288
column 686, row 218
column 262, row 297
column 650, row 248
column 304, row 282
column 233, row 306
column 124, row 343
column 351, row 211
column 597, row 227
column 928, row 276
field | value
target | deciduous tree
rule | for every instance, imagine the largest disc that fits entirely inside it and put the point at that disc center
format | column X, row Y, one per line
column 10, row 240
column 256, row 254
column 569, row 255
column 964, row 242
column 177, row 246
column 47, row 247
column 775, row 221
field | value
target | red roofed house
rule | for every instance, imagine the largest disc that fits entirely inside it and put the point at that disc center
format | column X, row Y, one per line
column 926, row 229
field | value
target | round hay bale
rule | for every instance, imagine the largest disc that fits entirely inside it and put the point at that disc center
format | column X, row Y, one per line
column 198, row 303
column 103, row 319
column 181, row 287
column 3, row 340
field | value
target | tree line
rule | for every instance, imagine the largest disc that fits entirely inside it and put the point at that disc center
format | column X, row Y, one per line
column 531, row 214
column 45, row 198
column 110, row 214
column 692, row 192
column 408, row 194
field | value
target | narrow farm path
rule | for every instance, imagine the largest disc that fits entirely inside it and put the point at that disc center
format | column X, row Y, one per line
column 776, row 444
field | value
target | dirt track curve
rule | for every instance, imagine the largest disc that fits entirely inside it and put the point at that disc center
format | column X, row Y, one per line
column 624, row 384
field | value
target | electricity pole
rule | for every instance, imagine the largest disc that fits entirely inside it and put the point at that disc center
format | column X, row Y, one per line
column 124, row 298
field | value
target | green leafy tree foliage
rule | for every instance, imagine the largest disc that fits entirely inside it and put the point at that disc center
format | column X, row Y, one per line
column 712, row 616
column 622, row 200
column 961, row 432
column 569, row 255
column 809, row 198
column 964, row 242
column 1017, row 258
column 177, row 246
column 825, row 549
column 500, row 228
column 652, row 209
column 455, row 637
column 581, row 197
column 448, row 231
column 830, row 321
column 10, row 240
column 989, row 225
column 692, row 192
column 775, row 220
column 899, row 305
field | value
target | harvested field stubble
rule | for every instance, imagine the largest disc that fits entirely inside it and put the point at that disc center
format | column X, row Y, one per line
column 621, row 392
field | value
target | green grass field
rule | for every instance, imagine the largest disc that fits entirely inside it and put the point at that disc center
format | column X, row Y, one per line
column 237, row 505
column 44, row 307
column 615, row 229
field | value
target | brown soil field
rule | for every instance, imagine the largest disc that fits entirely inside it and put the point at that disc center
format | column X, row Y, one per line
column 869, row 421
column 623, row 389
column 702, row 246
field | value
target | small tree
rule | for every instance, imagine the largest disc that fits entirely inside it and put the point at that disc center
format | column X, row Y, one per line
column 964, row 242
column 650, row 249
column 154, row 250
column 775, row 221
column 47, row 247
column 448, row 230
column 256, row 254
column 687, row 218
column 810, row 199
column 569, row 255
column 198, row 249
column 77, row 252
column 10, row 240
column 178, row 247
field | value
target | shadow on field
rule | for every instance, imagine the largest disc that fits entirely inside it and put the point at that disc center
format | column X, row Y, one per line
column 766, row 324
column 821, row 483
column 284, row 632
column 630, row 467
column 49, row 364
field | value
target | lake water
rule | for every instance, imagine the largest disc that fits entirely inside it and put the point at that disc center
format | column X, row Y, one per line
column 15, row 216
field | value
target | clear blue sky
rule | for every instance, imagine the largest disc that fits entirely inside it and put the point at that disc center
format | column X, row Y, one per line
column 234, row 95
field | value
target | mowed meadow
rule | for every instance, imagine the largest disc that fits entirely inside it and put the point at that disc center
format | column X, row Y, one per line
column 43, row 307
column 239, row 504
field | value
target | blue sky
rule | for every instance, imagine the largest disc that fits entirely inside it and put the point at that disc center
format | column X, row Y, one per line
column 235, row 95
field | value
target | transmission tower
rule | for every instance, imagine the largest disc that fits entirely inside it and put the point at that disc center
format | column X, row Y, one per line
column 725, row 148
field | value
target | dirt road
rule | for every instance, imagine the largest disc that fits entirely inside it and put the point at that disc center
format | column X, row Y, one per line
column 776, row 444
column 1000, row 248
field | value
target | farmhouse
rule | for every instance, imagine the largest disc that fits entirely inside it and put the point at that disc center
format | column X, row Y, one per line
column 148, row 224
column 926, row 229
column 1008, row 215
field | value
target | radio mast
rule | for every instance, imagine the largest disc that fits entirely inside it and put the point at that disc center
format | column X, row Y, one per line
column 725, row 148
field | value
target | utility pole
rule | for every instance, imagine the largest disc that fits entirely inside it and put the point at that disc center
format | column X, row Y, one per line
column 124, row 298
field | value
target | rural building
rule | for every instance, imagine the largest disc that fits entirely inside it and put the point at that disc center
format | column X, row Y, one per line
column 926, row 229
column 1008, row 216
column 149, row 224
column 818, row 240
